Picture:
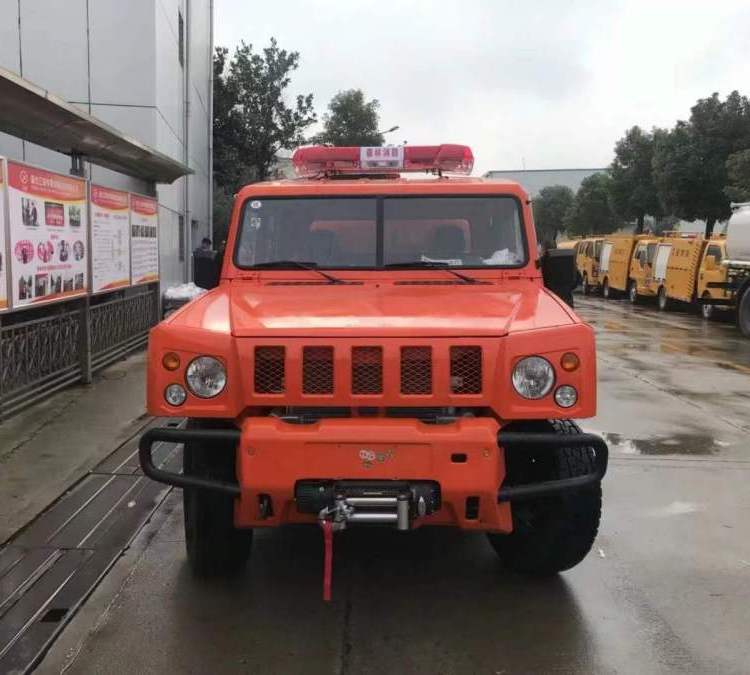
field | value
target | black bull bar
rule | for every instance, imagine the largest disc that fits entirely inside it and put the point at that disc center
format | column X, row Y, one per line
column 506, row 439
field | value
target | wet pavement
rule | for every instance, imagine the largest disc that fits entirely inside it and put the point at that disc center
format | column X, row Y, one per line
column 665, row 589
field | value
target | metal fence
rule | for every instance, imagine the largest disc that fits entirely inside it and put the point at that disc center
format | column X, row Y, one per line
column 48, row 348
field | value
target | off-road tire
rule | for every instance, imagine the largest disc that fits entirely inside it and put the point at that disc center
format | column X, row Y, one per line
column 662, row 300
column 215, row 548
column 585, row 287
column 550, row 534
column 743, row 314
column 633, row 293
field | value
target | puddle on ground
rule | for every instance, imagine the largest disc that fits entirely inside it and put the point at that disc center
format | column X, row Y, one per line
column 677, row 444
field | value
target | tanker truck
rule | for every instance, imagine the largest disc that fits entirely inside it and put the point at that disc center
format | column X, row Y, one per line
column 737, row 263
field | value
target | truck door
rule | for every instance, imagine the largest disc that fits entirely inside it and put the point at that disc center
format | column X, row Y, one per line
column 663, row 252
column 638, row 266
column 712, row 272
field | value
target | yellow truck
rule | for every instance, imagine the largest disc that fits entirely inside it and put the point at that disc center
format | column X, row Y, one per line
column 646, row 272
column 677, row 267
column 712, row 290
column 614, row 264
column 588, row 254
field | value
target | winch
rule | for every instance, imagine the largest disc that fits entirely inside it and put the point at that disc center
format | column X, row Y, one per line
column 385, row 502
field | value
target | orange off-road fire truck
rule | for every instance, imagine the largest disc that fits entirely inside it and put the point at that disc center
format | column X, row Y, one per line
column 382, row 351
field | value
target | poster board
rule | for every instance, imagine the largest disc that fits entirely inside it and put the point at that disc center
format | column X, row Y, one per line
column 110, row 239
column 144, row 239
column 48, row 239
column 4, row 262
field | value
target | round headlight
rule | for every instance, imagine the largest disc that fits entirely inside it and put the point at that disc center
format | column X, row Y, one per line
column 175, row 394
column 206, row 376
column 566, row 396
column 533, row 377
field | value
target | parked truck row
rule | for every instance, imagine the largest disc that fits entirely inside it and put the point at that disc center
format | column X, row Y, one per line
column 675, row 268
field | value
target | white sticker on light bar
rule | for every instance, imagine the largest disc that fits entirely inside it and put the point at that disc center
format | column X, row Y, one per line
column 389, row 157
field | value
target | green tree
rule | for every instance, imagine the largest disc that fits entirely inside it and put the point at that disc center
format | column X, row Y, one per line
column 738, row 175
column 591, row 212
column 690, row 161
column 351, row 121
column 252, row 120
column 550, row 207
column 632, row 189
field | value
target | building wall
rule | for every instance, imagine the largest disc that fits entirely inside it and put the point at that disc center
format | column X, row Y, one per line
column 120, row 61
column 534, row 180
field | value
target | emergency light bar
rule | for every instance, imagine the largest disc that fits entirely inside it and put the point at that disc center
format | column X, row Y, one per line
column 320, row 159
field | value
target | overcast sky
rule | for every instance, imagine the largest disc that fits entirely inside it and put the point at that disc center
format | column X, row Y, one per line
column 545, row 84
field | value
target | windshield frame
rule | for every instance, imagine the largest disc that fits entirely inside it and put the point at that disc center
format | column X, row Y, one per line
column 379, row 200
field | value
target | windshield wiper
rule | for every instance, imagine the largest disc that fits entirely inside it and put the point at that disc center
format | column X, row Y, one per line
column 427, row 264
column 310, row 266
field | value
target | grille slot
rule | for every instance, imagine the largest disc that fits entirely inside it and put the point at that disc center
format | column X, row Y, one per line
column 317, row 370
column 269, row 370
column 367, row 370
column 466, row 370
column 416, row 370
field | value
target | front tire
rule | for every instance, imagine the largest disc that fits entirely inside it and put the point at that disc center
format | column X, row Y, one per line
column 606, row 290
column 743, row 314
column 215, row 548
column 550, row 534
column 707, row 311
column 585, row 287
column 633, row 293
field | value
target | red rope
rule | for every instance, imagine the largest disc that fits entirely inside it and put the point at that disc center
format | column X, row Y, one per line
column 328, row 559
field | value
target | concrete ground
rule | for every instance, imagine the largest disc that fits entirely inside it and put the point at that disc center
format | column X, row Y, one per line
column 666, row 588
column 48, row 447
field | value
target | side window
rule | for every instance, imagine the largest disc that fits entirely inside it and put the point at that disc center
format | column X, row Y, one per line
column 715, row 251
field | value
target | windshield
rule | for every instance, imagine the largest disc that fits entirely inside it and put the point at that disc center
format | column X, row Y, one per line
column 335, row 232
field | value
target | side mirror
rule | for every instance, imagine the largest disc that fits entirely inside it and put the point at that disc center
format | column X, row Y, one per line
column 559, row 272
column 710, row 262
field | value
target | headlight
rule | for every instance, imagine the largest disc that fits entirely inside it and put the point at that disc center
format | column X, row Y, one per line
column 175, row 394
column 533, row 377
column 566, row 396
column 206, row 376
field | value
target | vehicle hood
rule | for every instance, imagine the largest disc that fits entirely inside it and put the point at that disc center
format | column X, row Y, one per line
column 253, row 309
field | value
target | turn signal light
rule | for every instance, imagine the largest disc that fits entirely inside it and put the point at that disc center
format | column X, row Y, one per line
column 171, row 361
column 570, row 362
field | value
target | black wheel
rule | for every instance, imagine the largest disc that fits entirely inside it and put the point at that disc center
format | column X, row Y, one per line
column 743, row 314
column 707, row 311
column 632, row 292
column 662, row 299
column 585, row 287
column 550, row 534
column 606, row 290
column 214, row 546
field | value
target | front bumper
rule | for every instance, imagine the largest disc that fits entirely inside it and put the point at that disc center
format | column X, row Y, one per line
column 466, row 460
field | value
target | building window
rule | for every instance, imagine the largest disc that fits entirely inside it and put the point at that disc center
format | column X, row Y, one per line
column 181, row 238
column 181, row 37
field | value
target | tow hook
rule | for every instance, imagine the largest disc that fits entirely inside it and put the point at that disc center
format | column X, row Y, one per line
column 334, row 518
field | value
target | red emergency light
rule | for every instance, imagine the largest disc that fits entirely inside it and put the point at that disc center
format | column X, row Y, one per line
column 317, row 160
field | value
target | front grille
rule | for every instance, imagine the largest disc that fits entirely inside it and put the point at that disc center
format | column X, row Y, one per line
column 437, row 370
column 317, row 370
column 416, row 370
column 466, row 370
column 367, row 370
column 269, row 370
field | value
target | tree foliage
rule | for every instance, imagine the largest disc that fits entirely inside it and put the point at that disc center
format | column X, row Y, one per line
column 591, row 212
column 633, row 192
column 351, row 121
column 251, row 118
column 550, row 207
column 690, row 161
column 738, row 176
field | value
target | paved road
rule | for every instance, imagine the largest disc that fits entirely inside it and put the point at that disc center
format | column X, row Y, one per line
column 666, row 588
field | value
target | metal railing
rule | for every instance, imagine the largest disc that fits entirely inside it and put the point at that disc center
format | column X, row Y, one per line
column 51, row 347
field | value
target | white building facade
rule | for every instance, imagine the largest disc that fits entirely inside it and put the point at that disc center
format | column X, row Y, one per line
column 145, row 68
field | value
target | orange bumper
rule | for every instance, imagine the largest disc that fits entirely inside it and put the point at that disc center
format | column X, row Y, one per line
column 462, row 457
